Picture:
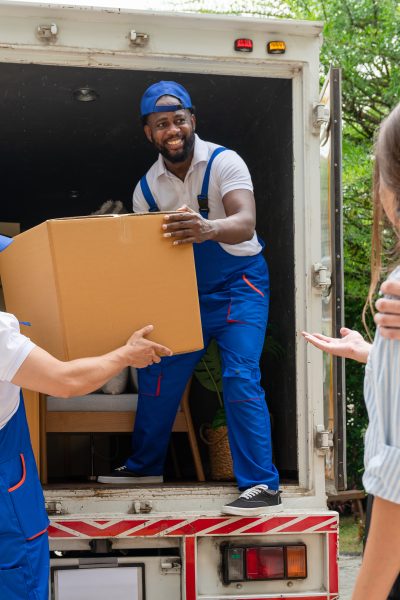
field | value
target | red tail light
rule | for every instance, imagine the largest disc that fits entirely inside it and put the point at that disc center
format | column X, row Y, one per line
column 250, row 563
column 265, row 563
column 243, row 45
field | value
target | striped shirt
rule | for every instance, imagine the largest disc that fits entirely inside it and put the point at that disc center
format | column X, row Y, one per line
column 382, row 398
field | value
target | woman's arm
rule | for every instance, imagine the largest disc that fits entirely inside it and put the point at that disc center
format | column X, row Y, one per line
column 381, row 477
column 41, row 372
column 381, row 561
column 350, row 345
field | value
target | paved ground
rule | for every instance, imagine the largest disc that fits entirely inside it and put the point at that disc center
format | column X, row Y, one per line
column 348, row 568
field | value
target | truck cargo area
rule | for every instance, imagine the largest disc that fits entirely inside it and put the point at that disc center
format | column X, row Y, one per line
column 71, row 140
column 63, row 154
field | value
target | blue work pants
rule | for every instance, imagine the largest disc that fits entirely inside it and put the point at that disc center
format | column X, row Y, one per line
column 234, row 310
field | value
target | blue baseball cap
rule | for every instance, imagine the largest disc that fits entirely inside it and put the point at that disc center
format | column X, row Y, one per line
column 164, row 88
column 4, row 242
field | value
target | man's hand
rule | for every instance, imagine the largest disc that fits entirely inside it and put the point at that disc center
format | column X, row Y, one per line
column 388, row 315
column 144, row 352
column 187, row 227
column 350, row 345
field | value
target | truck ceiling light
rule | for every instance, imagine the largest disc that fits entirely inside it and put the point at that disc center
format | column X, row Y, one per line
column 244, row 45
column 251, row 563
column 85, row 94
column 276, row 47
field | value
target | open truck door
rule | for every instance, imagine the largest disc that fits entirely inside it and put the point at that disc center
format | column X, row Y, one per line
column 329, row 275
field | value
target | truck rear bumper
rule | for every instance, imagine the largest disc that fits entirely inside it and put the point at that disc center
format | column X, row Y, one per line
column 199, row 538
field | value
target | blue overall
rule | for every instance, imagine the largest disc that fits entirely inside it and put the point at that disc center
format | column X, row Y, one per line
column 234, row 300
column 24, row 547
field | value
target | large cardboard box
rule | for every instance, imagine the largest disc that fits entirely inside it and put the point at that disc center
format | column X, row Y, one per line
column 85, row 284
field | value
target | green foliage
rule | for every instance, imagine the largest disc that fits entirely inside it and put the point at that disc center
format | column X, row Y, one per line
column 361, row 36
column 219, row 419
column 248, row 8
column 350, row 534
column 208, row 371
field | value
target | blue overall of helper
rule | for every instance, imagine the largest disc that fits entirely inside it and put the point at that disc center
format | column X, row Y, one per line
column 24, row 547
column 234, row 300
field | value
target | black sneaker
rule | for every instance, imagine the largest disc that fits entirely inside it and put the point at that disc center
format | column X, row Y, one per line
column 123, row 475
column 257, row 500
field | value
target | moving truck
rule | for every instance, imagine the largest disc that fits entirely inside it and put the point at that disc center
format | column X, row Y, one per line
column 71, row 81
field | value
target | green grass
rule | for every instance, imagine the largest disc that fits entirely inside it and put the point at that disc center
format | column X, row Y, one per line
column 350, row 535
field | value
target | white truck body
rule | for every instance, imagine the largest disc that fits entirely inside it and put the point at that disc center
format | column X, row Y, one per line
column 172, row 534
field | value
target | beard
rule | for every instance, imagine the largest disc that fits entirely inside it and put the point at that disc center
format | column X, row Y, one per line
column 182, row 155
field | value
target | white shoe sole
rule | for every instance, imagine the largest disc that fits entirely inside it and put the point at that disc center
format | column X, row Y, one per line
column 131, row 480
column 251, row 512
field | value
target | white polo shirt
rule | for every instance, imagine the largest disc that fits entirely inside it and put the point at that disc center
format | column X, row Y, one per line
column 228, row 172
column 14, row 348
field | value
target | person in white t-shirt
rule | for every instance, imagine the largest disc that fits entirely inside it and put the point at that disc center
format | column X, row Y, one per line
column 211, row 189
column 24, row 549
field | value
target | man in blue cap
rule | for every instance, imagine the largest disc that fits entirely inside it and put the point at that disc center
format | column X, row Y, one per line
column 211, row 189
column 24, row 548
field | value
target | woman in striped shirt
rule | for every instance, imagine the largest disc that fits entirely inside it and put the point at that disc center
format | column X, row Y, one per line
column 381, row 562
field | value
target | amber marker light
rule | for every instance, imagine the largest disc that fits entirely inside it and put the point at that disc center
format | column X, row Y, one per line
column 296, row 562
column 276, row 47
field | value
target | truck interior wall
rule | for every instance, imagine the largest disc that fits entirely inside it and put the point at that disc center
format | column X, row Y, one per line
column 61, row 157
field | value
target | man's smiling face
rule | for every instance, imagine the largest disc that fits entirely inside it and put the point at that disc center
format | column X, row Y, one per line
column 171, row 132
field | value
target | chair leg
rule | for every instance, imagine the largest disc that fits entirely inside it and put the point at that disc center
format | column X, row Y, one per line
column 191, row 433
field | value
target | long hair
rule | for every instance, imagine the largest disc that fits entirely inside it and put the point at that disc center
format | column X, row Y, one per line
column 387, row 169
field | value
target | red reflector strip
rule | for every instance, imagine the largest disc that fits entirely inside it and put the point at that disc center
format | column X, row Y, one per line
column 190, row 568
column 244, row 45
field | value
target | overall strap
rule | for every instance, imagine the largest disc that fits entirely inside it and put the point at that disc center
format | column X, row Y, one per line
column 148, row 196
column 202, row 198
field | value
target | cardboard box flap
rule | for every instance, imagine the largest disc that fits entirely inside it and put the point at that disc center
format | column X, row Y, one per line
column 22, row 285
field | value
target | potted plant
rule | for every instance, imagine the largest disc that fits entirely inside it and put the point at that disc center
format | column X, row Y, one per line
column 215, row 435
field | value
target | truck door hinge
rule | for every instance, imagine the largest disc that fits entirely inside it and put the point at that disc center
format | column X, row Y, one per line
column 320, row 116
column 47, row 33
column 323, row 440
column 54, row 508
column 170, row 565
column 321, row 279
column 138, row 39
